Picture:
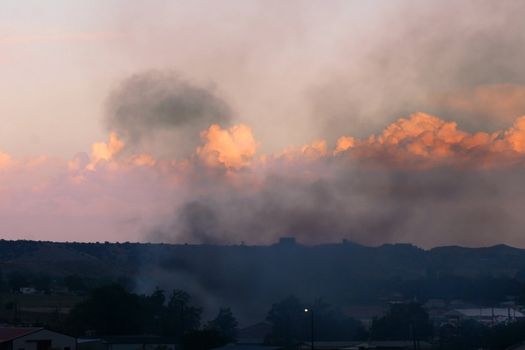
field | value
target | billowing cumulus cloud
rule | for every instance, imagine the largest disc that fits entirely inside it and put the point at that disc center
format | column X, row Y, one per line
column 233, row 148
column 421, row 180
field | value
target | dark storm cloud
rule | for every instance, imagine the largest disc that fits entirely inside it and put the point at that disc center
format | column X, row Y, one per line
column 162, row 113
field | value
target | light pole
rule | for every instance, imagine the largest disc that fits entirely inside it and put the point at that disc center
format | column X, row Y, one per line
column 311, row 312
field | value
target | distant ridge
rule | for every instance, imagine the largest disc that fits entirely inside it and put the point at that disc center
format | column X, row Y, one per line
column 253, row 277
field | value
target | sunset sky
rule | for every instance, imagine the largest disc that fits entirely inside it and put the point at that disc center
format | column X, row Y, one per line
column 244, row 121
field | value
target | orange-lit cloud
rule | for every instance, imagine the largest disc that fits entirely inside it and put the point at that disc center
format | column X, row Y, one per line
column 308, row 189
column 422, row 140
column 5, row 160
column 102, row 151
column 344, row 143
column 315, row 150
column 232, row 148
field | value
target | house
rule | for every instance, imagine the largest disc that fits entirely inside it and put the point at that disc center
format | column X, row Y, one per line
column 28, row 290
column 142, row 342
column 487, row 316
column 28, row 338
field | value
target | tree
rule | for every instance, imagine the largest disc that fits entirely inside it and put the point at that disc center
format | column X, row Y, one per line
column 154, row 311
column 224, row 323
column 402, row 322
column 467, row 335
column 16, row 281
column 109, row 310
column 42, row 283
column 2, row 285
column 331, row 324
column 503, row 336
column 75, row 283
column 180, row 315
column 288, row 321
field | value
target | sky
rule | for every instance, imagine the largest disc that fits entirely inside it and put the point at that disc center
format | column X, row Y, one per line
column 244, row 121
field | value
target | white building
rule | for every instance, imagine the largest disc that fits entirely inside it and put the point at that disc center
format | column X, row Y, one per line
column 28, row 290
column 27, row 338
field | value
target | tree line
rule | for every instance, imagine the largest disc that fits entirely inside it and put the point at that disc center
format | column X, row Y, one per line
column 112, row 310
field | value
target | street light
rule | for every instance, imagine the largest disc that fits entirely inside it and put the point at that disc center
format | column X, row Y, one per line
column 311, row 312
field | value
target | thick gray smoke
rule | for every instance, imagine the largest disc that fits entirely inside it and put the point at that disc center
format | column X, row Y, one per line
column 459, row 60
column 371, row 206
column 161, row 113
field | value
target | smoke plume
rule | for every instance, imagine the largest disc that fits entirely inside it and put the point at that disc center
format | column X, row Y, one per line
column 161, row 113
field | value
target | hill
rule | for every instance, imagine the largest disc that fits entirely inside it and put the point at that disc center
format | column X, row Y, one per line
column 250, row 278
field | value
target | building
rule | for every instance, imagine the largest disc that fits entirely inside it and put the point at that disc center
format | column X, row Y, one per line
column 487, row 316
column 27, row 338
column 28, row 290
column 143, row 342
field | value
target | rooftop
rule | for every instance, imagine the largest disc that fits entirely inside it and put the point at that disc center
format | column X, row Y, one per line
column 10, row 333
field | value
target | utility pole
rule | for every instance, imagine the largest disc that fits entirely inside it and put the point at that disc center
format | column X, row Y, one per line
column 311, row 312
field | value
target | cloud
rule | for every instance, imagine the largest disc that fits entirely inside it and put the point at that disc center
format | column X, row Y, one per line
column 233, row 148
column 102, row 151
column 421, row 180
column 461, row 64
